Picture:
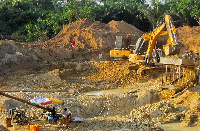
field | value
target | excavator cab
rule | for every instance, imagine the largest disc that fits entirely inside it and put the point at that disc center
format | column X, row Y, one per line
column 157, row 53
column 135, row 56
column 138, row 45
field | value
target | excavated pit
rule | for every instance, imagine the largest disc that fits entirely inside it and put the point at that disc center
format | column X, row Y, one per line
column 49, row 66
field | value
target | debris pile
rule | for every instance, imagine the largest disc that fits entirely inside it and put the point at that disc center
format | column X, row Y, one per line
column 115, row 72
column 15, row 58
column 182, row 109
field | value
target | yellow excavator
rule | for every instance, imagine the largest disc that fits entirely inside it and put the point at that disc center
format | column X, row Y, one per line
column 119, row 52
column 153, row 55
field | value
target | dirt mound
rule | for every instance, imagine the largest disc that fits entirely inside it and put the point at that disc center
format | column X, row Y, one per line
column 75, row 25
column 124, row 28
column 182, row 109
column 188, row 99
column 190, row 37
column 93, row 37
column 90, row 38
column 15, row 58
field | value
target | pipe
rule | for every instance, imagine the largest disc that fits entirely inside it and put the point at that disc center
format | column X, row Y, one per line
column 34, row 91
column 23, row 101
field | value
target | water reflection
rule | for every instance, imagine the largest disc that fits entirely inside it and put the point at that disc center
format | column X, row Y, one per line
column 111, row 91
column 177, row 127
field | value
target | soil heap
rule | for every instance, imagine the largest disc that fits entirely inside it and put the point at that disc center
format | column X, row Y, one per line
column 93, row 37
column 189, row 37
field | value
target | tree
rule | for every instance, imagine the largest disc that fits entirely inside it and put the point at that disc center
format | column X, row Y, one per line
column 155, row 13
column 195, row 12
column 53, row 22
column 16, row 14
column 189, row 9
column 126, row 10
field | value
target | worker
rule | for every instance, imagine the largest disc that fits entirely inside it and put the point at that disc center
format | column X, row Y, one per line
column 53, row 111
column 67, row 115
column 53, row 116
column 22, row 109
column 100, row 56
column 73, row 44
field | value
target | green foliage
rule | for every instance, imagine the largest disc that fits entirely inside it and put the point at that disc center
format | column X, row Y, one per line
column 54, row 21
column 126, row 10
column 36, row 32
column 39, row 20
column 87, row 11
column 76, row 10
column 155, row 13
column 189, row 9
column 15, row 15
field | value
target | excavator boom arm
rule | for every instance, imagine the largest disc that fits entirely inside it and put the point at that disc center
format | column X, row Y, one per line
column 152, row 42
column 170, row 30
column 161, row 31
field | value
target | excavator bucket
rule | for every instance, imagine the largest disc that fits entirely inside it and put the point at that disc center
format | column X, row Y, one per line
column 170, row 50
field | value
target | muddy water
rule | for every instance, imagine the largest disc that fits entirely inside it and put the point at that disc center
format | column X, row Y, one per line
column 177, row 127
column 106, row 92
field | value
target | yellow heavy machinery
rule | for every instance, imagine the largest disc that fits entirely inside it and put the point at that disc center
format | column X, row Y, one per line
column 153, row 55
column 136, row 56
column 118, row 51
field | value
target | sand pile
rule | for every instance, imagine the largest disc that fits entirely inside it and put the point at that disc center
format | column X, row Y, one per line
column 190, row 37
column 188, row 99
column 123, row 28
column 91, row 38
column 94, row 37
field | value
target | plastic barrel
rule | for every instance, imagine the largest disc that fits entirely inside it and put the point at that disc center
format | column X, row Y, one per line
column 8, row 122
column 66, row 122
column 59, row 122
column 29, row 126
column 35, row 127
column 14, row 126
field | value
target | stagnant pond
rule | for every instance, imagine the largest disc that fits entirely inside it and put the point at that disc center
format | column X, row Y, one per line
column 111, row 91
column 177, row 127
